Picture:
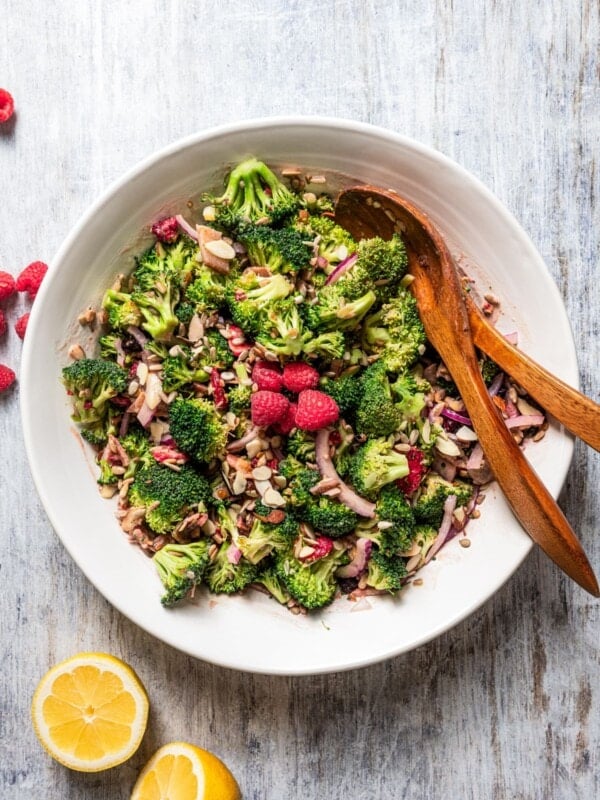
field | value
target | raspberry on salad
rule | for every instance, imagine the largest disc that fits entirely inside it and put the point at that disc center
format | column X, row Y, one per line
column 268, row 408
column 288, row 422
column 7, row 105
column 166, row 230
column 267, row 376
column 21, row 325
column 7, row 285
column 315, row 410
column 321, row 548
column 417, row 467
column 298, row 375
column 30, row 279
column 7, row 377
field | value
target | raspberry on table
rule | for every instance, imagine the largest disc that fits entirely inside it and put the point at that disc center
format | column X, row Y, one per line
column 7, row 285
column 268, row 407
column 3, row 324
column 7, row 105
column 7, row 377
column 267, row 376
column 316, row 410
column 21, row 325
column 30, row 279
column 297, row 376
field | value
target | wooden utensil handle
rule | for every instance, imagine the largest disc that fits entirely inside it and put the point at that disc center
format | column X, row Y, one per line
column 578, row 413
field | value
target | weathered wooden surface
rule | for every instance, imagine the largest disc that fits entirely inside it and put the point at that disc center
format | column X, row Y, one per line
column 507, row 704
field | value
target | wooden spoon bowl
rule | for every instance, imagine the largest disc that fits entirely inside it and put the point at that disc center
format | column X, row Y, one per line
column 366, row 211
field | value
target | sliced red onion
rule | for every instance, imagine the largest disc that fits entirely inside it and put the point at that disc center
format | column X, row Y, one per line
column 138, row 335
column 525, row 421
column 120, row 352
column 240, row 444
column 185, row 226
column 444, row 529
column 124, row 427
column 145, row 415
column 341, row 269
column 511, row 409
column 348, row 496
column 496, row 384
column 359, row 562
column 476, row 457
column 234, row 554
column 454, row 415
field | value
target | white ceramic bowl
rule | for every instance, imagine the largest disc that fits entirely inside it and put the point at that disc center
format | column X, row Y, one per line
column 252, row 632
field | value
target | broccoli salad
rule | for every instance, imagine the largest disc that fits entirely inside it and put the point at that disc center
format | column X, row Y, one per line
column 266, row 408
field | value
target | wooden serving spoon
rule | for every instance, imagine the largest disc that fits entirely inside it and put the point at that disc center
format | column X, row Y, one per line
column 367, row 211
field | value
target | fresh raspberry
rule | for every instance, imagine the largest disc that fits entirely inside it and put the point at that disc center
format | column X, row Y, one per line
column 268, row 408
column 166, row 230
column 298, row 376
column 7, row 285
column 7, row 105
column 315, row 410
column 267, row 376
column 31, row 278
column 321, row 548
column 21, row 325
column 288, row 422
column 3, row 325
column 412, row 481
column 7, row 377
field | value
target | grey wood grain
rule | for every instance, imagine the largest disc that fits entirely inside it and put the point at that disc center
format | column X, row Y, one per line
column 506, row 705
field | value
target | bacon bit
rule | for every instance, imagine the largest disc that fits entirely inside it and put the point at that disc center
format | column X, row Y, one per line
column 240, row 464
column 499, row 403
column 334, row 438
column 274, row 517
column 219, row 397
column 321, row 548
column 162, row 453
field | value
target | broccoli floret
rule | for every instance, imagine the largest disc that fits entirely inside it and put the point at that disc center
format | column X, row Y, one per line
column 345, row 390
column 181, row 567
column 253, row 192
column 335, row 244
column 106, row 476
column 273, row 584
column 376, row 414
column 207, row 291
column 313, row 584
column 380, row 266
column 334, row 311
column 92, row 382
column 184, row 312
column 219, row 353
column 301, row 445
column 250, row 297
column 283, row 332
column 223, row 577
column 177, row 371
column 263, row 539
column 385, row 573
column 328, row 516
column 374, row 465
column 137, row 446
column 328, row 345
column 395, row 332
column 197, row 429
column 300, row 480
column 108, row 345
column 395, row 534
column 425, row 536
column 429, row 507
column 409, row 394
column 168, row 496
column 121, row 309
column 489, row 370
column 280, row 250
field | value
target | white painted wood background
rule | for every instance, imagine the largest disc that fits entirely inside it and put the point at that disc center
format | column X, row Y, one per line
column 507, row 704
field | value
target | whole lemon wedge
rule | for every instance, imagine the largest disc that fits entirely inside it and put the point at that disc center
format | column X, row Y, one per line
column 181, row 771
column 90, row 712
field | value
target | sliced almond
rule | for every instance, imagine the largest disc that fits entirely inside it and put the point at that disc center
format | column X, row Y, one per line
column 262, row 487
column 239, row 484
column 205, row 236
column 273, row 498
column 195, row 329
column 153, row 390
column 466, row 434
column 262, row 473
column 141, row 373
column 221, row 249
column 306, row 552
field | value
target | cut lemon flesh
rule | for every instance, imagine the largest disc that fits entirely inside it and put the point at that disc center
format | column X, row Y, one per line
column 181, row 771
column 90, row 712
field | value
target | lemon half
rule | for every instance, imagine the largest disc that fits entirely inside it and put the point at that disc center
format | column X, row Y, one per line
column 90, row 712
